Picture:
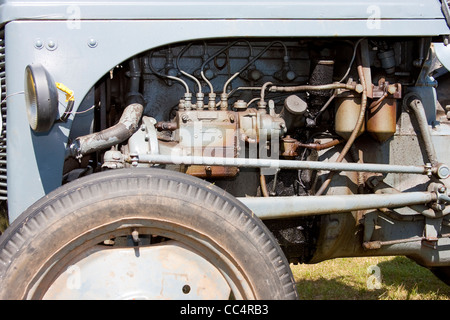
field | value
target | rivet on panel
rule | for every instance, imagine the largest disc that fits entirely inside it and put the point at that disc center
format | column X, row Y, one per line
column 51, row 44
column 38, row 44
column 92, row 43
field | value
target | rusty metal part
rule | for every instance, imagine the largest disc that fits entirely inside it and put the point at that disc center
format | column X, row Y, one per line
column 212, row 171
column 290, row 146
column 127, row 125
column 262, row 180
column 321, row 146
column 373, row 245
column 394, row 89
column 382, row 113
column 355, row 132
column 206, row 128
column 357, row 157
column 165, row 125
column 376, row 103
column 206, row 132
column 318, row 87
column 365, row 62
column 348, row 109
column 382, row 118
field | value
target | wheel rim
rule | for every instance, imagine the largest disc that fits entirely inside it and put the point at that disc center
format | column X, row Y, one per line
column 213, row 273
column 165, row 271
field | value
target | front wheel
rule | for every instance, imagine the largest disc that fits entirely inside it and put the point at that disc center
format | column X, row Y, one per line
column 141, row 234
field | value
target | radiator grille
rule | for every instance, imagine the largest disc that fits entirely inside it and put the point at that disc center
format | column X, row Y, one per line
column 3, row 182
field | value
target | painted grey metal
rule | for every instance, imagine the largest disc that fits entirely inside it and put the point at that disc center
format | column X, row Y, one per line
column 443, row 54
column 216, row 9
column 73, row 40
column 166, row 271
column 289, row 207
column 280, row 164
column 79, row 42
column 419, row 111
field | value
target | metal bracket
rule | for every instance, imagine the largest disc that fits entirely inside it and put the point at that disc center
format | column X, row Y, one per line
column 432, row 231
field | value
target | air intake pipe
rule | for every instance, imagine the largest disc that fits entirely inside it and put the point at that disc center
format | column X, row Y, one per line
column 124, row 129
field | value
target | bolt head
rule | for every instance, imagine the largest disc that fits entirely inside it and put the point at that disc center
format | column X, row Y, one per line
column 51, row 44
column 443, row 171
column 92, row 43
column 38, row 44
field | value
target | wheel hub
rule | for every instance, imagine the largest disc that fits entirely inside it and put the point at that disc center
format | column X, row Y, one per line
column 169, row 270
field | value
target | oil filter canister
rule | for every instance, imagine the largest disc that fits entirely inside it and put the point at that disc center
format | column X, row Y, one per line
column 348, row 109
column 382, row 119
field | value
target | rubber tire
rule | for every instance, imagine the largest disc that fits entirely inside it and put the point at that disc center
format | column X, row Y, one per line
column 59, row 222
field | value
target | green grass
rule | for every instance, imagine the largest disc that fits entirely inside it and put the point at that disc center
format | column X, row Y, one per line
column 347, row 279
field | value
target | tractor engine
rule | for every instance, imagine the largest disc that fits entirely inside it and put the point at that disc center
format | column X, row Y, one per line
column 228, row 111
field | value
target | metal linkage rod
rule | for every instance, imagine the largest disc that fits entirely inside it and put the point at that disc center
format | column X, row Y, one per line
column 289, row 207
column 282, row 164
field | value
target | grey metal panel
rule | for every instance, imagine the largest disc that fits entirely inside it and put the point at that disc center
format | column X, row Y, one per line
column 207, row 9
column 35, row 161
column 443, row 53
